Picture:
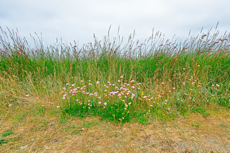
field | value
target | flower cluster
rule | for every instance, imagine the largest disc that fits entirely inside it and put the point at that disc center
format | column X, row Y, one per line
column 107, row 94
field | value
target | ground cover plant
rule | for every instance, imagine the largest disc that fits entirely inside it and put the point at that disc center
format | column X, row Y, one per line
column 119, row 82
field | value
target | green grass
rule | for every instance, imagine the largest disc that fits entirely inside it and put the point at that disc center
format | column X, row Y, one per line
column 165, row 82
column 7, row 133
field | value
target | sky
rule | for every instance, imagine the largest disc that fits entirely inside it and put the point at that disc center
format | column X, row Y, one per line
column 78, row 20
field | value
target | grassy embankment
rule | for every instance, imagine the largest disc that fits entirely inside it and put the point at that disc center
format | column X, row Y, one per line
column 161, row 80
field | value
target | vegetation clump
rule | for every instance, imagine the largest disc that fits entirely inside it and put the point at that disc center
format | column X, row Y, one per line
column 159, row 79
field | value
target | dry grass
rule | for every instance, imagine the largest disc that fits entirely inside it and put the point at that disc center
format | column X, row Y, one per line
column 161, row 96
column 47, row 134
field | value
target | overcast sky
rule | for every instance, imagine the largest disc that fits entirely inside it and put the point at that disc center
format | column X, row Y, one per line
column 80, row 19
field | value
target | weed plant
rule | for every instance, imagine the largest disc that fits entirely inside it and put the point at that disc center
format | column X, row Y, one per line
column 160, row 79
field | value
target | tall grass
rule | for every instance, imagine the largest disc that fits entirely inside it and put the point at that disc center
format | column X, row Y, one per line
column 158, row 78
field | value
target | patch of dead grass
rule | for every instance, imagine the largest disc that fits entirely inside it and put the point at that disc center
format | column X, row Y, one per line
column 186, row 134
